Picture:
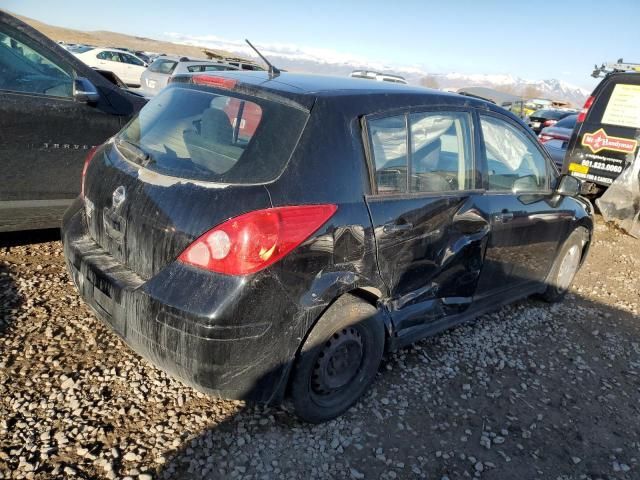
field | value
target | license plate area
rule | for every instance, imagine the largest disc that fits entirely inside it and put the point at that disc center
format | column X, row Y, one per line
column 106, row 298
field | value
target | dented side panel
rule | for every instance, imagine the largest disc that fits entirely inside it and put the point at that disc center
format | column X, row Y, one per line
column 430, row 253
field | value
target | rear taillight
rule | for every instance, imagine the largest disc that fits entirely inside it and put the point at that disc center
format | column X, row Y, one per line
column 87, row 161
column 583, row 113
column 255, row 240
column 545, row 137
column 548, row 123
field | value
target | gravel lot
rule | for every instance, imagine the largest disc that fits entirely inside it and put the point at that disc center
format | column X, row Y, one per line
column 530, row 392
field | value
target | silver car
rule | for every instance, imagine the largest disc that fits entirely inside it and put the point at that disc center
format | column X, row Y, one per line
column 159, row 73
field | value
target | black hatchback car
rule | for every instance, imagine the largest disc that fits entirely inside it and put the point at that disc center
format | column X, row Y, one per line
column 53, row 109
column 262, row 237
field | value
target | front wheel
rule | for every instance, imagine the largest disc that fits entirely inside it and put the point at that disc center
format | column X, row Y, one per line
column 566, row 266
column 338, row 361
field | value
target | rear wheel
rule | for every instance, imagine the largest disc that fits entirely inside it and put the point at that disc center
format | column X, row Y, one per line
column 565, row 266
column 338, row 361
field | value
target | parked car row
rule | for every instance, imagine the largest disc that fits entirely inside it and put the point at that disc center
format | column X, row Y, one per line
column 136, row 69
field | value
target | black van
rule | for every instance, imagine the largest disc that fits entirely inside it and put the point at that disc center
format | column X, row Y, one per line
column 605, row 139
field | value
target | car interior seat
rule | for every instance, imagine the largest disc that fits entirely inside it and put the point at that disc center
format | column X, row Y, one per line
column 211, row 145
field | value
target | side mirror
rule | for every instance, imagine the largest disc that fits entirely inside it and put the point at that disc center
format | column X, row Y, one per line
column 569, row 186
column 85, row 91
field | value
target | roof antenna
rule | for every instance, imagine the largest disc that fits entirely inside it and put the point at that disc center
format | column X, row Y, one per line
column 273, row 71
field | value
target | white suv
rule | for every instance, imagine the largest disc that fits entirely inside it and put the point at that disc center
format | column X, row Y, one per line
column 159, row 73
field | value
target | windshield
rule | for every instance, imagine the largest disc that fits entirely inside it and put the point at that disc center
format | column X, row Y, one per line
column 218, row 137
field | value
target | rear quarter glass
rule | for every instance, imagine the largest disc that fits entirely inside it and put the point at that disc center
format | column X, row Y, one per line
column 214, row 135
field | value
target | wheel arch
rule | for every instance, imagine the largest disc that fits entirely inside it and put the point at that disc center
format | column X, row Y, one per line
column 368, row 294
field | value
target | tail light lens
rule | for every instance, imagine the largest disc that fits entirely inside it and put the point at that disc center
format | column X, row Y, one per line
column 548, row 123
column 87, row 161
column 583, row 113
column 255, row 240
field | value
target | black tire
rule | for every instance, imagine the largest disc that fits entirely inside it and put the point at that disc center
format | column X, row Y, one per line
column 561, row 276
column 338, row 361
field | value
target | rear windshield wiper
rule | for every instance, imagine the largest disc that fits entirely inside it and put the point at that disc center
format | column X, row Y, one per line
column 134, row 152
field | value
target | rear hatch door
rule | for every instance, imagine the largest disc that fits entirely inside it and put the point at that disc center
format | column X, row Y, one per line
column 183, row 166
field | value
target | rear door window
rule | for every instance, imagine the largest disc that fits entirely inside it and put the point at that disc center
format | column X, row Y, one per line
column 440, row 152
column 218, row 137
column 162, row 65
column 422, row 152
column 109, row 56
column 389, row 141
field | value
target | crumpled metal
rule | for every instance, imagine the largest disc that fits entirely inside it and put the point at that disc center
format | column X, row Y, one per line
column 620, row 203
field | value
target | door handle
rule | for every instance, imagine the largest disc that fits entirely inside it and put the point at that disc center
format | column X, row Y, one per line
column 396, row 227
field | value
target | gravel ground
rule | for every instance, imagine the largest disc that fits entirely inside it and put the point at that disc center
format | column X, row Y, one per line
column 531, row 392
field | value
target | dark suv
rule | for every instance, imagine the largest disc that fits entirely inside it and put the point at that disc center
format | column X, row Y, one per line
column 53, row 109
column 605, row 139
column 282, row 256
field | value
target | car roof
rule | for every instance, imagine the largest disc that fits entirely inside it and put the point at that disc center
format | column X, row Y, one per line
column 351, row 94
column 320, row 85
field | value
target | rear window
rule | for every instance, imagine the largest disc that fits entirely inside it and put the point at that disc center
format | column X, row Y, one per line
column 567, row 122
column 214, row 136
column 623, row 107
column 552, row 114
column 162, row 65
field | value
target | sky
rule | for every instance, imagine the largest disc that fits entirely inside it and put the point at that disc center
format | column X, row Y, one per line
column 562, row 39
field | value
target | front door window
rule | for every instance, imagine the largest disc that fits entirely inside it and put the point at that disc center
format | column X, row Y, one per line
column 28, row 69
column 514, row 162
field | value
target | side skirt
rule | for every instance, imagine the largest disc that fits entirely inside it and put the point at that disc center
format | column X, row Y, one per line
column 485, row 305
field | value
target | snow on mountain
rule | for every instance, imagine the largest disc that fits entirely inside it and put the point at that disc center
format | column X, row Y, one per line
column 550, row 88
column 330, row 62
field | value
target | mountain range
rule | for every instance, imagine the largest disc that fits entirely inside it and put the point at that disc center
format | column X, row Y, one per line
column 328, row 62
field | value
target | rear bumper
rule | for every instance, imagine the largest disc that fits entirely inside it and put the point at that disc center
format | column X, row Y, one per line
column 186, row 322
